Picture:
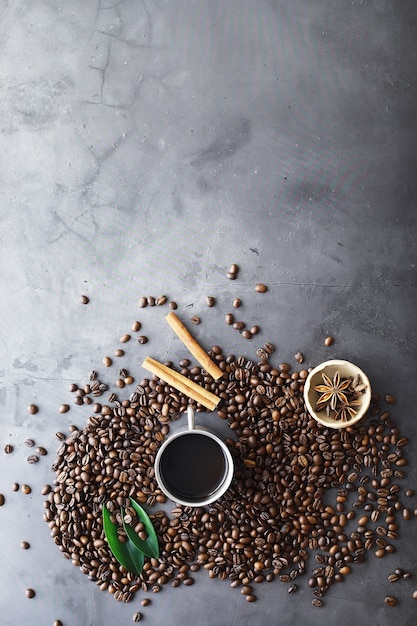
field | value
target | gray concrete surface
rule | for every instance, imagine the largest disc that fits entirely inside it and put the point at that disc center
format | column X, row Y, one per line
column 147, row 145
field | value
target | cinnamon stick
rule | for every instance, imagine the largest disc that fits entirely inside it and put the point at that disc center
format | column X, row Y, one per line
column 182, row 384
column 193, row 346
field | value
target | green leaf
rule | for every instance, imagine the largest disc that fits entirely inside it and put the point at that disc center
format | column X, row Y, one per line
column 150, row 545
column 127, row 553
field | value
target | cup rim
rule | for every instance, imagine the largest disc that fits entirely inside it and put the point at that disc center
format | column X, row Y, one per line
column 221, row 488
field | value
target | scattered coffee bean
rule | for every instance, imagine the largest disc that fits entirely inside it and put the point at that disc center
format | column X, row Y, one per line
column 124, row 338
column 328, row 341
column 299, row 357
column 391, row 601
column 237, row 302
column 107, row 361
column 389, row 399
column 229, row 318
column 60, row 436
column 407, row 575
column 142, row 339
column 15, row 487
column 317, row 602
column 233, row 272
column 57, row 622
column 392, row 578
column 120, row 383
column 136, row 326
column 161, row 300
column 119, row 352
column 246, row 334
column 143, row 302
column 8, row 448
column 32, row 459
column 29, row 443
column 292, row 589
column 73, row 387
column 261, row 288
column 25, row 545
column 45, row 490
column 84, row 299
column 30, row 593
column 196, row 319
column 415, row 594
column 41, row 451
column 254, row 330
column 239, row 325
column 173, row 305
column 137, row 617
column 64, row 408
column 210, row 301
column 26, row 489
column 269, row 348
column 409, row 493
column 2, row 499
column 145, row 602
column 32, row 409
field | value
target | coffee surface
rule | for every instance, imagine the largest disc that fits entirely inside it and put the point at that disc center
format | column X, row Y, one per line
column 193, row 466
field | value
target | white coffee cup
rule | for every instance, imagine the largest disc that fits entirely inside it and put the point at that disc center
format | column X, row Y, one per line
column 194, row 467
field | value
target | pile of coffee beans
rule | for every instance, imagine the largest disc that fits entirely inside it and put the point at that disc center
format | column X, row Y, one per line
column 305, row 500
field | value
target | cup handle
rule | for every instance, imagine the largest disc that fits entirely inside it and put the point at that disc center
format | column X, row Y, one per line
column 191, row 421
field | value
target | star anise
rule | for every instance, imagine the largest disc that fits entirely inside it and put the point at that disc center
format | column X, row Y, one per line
column 332, row 391
column 346, row 411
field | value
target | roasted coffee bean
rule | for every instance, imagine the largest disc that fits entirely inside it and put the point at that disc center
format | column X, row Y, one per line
column 84, row 299
column 389, row 399
column 317, row 602
column 2, row 499
column 143, row 302
column 57, row 622
column 41, row 451
column 292, row 589
column 32, row 409
column 210, row 301
column 124, row 338
column 392, row 578
column 142, row 339
column 254, row 330
column 299, row 357
column 173, row 305
column 161, row 300
column 246, row 334
column 25, row 545
column 239, row 325
column 29, row 443
column 30, row 593
column 261, row 288
column 415, row 594
column 15, row 487
column 64, row 408
column 107, row 361
column 32, row 459
column 137, row 617
column 229, row 318
column 237, row 302
column 391, row 601
column 269, row 348
column 8, row 448
column 26, row 489
column 196, row 319
column 136, row 326
column 145, row 602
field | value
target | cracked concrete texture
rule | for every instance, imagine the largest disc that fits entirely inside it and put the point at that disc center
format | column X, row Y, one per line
column 145, row 145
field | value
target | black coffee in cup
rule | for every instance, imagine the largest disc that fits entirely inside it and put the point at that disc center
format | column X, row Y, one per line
column 193, row 466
